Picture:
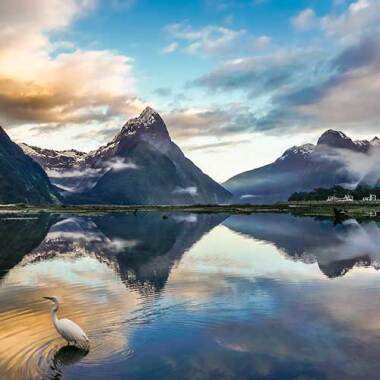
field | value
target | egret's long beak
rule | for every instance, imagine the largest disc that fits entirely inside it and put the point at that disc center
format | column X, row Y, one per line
column 48, row 298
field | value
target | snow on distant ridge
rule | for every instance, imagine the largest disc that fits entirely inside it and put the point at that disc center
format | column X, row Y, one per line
column 303, row 150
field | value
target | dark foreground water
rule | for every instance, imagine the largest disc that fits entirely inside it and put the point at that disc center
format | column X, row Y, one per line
column 191, row 297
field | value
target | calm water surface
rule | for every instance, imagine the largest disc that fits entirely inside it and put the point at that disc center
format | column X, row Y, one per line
column 191, row 297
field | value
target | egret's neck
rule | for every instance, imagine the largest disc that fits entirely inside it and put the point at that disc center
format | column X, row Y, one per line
column 54, row 311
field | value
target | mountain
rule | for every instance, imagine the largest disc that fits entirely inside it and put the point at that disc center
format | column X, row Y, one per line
column 337, row 139
column 335, row 160
column 22, row 180
column 141, row 165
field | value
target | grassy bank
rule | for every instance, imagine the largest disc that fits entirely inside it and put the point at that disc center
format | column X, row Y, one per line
column 313, row 208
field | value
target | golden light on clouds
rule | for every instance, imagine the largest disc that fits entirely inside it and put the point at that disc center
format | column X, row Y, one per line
column 54, row 83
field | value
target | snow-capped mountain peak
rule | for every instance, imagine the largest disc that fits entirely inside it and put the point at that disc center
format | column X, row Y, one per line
column 299, row 151
column 148, row 121
column 149, row 115
column 337, row 139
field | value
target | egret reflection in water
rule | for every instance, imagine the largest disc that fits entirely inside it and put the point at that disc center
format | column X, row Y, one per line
column 66, row 356
column 256, row 296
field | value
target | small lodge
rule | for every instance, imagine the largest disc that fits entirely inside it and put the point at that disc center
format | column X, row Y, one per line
column 371, row 198
column 346, row 198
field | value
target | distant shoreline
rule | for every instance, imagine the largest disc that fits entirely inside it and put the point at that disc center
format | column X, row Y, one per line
column 311, row 208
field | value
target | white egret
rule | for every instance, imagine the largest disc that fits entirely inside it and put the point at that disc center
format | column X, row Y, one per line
column 68, row 330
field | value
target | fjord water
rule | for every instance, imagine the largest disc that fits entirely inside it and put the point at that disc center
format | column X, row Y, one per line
column 186, row 296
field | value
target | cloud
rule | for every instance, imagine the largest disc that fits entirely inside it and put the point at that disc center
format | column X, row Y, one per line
column 214, row 39
column 171, row 48
column 217, row 145
column 191, row 190
column 272, row 77
column 348, row 96
column 210, row 39
column 364, row 53
column 84, row 177
column 118, row 164
column 258, row 74
column 163, row 91
column 358, row 19
column 75, row 180
column 71, row 88
column 42, row 85
column 87, row 172
column 305, row 20
column 362, row 166
column 263, row 42
column 101, row 134
column 307, row 89
column 228, row 119
column 40, row 14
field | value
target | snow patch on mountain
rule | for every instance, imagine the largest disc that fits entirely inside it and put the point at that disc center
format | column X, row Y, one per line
column 302, row 150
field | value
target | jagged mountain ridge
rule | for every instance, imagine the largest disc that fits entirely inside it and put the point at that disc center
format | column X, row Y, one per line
column 334, row 160
column 22, row 180
column 141, row 165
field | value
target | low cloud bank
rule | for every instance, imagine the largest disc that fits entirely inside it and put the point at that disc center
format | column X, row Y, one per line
column 191, row 190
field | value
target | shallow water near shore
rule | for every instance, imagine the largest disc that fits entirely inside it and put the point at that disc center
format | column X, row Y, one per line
column 187, row 296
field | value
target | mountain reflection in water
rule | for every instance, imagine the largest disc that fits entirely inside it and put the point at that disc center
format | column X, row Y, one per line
column 335, row 247
column 191, row 296
column 141, row 249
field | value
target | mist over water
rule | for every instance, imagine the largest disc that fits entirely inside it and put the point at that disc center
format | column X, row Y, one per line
column 191, row 296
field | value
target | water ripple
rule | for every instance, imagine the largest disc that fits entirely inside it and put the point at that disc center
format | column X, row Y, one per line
column 31, row 348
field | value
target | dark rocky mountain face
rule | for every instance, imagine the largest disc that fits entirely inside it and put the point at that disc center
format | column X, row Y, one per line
column 336, row 139
column 335, row 160
column 140, row 165
column 22, row 180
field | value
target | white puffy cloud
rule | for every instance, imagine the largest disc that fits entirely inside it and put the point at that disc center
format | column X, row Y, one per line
column 210, row 39
column 305, row 20
column 24, row 23
column 263, row 42
column 44, row 85
column 358, row 18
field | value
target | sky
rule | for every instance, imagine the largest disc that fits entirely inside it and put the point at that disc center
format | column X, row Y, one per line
column 237, row 82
